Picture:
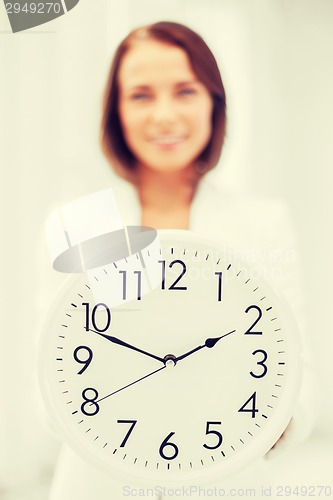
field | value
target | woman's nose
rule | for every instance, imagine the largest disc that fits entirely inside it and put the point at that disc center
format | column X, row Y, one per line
column 163, row 110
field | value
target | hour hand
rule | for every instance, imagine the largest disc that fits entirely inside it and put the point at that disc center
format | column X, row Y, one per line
column 210, row 342
column 115, row 340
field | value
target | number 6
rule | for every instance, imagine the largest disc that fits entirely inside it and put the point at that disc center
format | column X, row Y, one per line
column 172, row 445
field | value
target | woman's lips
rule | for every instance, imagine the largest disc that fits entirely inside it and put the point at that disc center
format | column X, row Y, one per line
column 167, row 140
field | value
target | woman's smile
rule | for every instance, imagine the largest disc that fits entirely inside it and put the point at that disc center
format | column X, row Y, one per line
column 167, row 141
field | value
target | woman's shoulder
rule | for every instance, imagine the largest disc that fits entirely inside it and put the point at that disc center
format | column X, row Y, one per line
column 237, row 199
column 241, row 218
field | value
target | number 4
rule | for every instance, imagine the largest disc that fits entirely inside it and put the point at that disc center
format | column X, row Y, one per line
column 250, row 405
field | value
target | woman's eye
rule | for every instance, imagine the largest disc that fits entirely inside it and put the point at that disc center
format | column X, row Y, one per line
column 140, row 96
column 186, row 92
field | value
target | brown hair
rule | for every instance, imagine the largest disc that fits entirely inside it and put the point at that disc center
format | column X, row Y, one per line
column 204, row 66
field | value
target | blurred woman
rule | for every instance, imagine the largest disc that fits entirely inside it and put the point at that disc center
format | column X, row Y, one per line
column 164, row 119
column 163, row 128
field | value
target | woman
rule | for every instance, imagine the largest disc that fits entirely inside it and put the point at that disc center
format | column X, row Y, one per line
column 164, row 119
column 163, row 128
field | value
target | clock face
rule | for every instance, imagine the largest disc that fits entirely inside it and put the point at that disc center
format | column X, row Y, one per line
column 193, row 379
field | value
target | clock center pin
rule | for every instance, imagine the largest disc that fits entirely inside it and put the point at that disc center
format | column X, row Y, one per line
column 170, row 360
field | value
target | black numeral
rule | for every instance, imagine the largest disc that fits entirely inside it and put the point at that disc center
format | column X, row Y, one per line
column 216, row 433
column 166, row 446
column 181, row 274
column 163, row 273
column 219, row 286
column 138, row 295
column 83, row 355
column 129, row 432
column 92, row 317
column 249, row 331
column 250, row 405
column 261, row 363
column 90, row 407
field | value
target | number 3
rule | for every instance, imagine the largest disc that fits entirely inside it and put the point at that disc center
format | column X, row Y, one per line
column 260, row 363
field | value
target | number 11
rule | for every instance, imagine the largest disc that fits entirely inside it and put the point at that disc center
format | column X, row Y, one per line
column 124, row 273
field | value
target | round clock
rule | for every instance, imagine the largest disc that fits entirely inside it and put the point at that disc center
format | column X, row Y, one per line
column 188, row 382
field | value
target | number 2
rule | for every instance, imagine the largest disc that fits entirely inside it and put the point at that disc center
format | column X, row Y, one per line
column 249, row 331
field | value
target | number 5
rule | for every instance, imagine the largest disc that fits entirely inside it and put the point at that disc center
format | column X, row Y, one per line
column 217, row 433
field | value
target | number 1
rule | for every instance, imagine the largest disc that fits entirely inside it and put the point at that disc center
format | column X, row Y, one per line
column 219, row 286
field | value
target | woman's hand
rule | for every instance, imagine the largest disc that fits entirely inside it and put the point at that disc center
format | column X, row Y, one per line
column 282, row 439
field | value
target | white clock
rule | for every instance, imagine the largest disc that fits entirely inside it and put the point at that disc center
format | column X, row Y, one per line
column 188, row 382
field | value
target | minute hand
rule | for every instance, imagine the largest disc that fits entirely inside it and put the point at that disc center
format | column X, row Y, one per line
column 115, row 340
column 210, row 342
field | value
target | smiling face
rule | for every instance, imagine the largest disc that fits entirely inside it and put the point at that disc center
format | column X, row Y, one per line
column 165, row 111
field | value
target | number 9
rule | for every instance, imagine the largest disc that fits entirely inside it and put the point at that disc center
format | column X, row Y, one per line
column 86, row 360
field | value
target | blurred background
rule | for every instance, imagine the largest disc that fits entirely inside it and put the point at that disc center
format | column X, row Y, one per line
column 276, row 62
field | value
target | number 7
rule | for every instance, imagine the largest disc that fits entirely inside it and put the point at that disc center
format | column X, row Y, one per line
column 133, row 422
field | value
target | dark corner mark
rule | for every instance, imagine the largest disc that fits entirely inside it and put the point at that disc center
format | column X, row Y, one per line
column 26, row 14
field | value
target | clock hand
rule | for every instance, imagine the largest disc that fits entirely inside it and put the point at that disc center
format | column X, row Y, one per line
column 132, row 383
column 210, row 342
column 115, row 340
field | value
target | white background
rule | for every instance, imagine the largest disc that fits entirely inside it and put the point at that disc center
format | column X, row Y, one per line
column 276, row 61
